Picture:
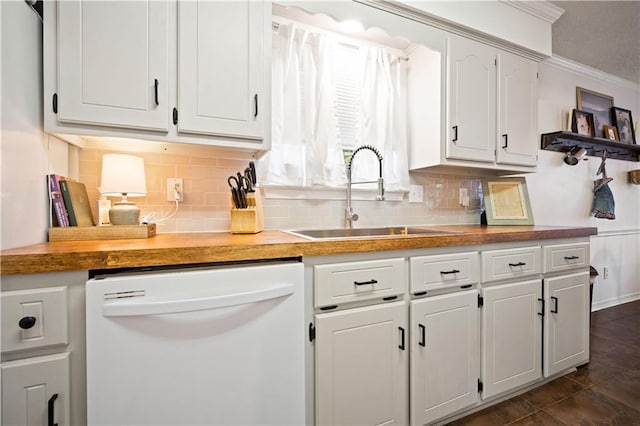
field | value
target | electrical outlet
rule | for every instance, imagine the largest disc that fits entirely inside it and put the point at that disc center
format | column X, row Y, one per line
column 605, row 273
column 175, row 189
column 416, row 193
column 464, row 197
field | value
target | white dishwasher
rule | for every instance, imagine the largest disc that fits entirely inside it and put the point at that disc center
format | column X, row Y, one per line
column 211, row 346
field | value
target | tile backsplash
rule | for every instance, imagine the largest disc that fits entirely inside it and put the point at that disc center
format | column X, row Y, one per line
column 207, row 199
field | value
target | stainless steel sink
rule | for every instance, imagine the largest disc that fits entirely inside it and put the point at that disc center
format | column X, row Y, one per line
column 387, row 231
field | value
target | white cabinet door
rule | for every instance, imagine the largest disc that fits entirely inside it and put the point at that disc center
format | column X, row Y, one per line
column 113, row 63
column 444, row 355
column 471, row 130
column 518, row 110
column 566, row 332
column 512, row 340
column 362, row 366
column 35, row 391
column 221, row 68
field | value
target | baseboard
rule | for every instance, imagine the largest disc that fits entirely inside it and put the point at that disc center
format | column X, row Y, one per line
column 615, row 301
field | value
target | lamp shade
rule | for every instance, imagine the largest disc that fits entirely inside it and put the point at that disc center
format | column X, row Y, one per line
column 123, row 174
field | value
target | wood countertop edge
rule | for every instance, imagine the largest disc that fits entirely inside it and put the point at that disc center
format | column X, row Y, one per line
column 183, row 249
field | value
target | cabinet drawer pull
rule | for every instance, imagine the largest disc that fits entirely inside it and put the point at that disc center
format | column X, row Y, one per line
column 51, row 410
column 453, row 271
column 155, row 83
column 255, row 104
column 541, row 313
column 455, row 134
column 571, row 257
column 26, row 323
column 517, row 264
column 506, row 141
column 365, row 282
column 423, row 332
column 555, row 308
column 401, row 345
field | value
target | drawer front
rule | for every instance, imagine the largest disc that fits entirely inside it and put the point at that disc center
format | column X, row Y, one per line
column 446, row 270
column 340, row 283
column 34, row 318
column 566, row 256
column 510, row 263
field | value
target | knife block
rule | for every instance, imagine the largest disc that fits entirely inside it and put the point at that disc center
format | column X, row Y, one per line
column 251, row 219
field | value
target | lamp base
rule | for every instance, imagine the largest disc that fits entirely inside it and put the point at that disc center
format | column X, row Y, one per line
column 124, row 213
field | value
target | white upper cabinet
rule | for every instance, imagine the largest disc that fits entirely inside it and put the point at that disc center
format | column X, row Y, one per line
column 484, row 114
column 220, row 85
column 471, row 92
column 518, row 110
column 113, row 63
column 169, row 71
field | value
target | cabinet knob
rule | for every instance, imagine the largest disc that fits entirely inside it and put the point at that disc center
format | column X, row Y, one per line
column 26, row 323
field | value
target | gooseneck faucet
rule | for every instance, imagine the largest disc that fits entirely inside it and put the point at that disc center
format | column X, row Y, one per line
column 350, row 216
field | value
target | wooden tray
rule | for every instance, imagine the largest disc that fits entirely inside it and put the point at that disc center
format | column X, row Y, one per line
column 108, row 232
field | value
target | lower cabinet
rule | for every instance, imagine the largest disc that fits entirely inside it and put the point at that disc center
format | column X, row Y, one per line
column 566, row 331
column 511, row 336
column 35, row 391
column 43, row 349
column 362, row 366
column 444, row 355
column 420, row 339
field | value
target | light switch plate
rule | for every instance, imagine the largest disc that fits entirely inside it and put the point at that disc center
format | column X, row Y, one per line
column 416, row 193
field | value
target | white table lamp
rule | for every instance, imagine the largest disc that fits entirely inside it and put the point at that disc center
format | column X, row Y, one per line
column 123, row 175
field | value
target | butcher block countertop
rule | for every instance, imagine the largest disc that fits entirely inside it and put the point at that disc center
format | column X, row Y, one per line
column 189, row 248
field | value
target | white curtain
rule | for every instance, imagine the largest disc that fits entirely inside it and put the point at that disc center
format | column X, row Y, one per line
column 306, row 148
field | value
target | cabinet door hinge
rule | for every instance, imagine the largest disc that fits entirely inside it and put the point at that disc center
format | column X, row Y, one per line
column 480, row 301
column 54, row 103
column 480, row 386
column 175, row 116
column 312, row 332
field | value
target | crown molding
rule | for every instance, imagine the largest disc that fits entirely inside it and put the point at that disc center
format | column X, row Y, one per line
column 587, row 71
column 406, row 11
column 542, row 9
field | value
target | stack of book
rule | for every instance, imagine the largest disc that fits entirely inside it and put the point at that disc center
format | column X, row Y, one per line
column 69, row 202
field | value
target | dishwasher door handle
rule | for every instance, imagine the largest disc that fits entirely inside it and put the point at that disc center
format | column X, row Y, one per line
column 131, row 307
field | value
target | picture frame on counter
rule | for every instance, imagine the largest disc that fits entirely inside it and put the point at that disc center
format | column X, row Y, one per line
column 506, row 201
column 598, row 104
column 582, row 123
column 624, row 124
column 610, row 132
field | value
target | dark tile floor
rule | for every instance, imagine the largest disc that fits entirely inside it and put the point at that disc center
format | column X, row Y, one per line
column 604, row 392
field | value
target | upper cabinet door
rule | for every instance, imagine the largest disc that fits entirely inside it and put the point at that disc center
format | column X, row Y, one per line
column 518, row 111
column 113, row 63
column 471, row 87
column 221, row 67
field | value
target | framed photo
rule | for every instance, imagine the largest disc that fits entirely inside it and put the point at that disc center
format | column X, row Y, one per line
column 596, row 103
column 610, row 132
column 506, row 201
column 624, row 124
column 582, row 123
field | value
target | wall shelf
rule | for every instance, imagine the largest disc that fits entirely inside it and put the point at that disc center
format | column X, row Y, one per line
column 564, row 141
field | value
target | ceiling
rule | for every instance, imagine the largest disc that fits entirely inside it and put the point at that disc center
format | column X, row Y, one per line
column 601, row 34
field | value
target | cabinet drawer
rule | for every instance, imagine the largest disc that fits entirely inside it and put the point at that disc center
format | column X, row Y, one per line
column 446, row 270
column 566, row 256
column 34, row 318
column 340, row 283
column 510, row 263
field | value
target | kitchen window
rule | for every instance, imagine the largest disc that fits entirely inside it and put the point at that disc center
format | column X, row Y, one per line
column 330, row 93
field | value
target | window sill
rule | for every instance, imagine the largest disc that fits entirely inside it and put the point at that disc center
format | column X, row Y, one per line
column 297, row 193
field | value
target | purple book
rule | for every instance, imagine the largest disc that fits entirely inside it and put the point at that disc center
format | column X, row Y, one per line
column 59, row 210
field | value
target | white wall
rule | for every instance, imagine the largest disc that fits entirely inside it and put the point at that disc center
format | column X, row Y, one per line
column 562, row 194
column 27, row 154
column 22, row 142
